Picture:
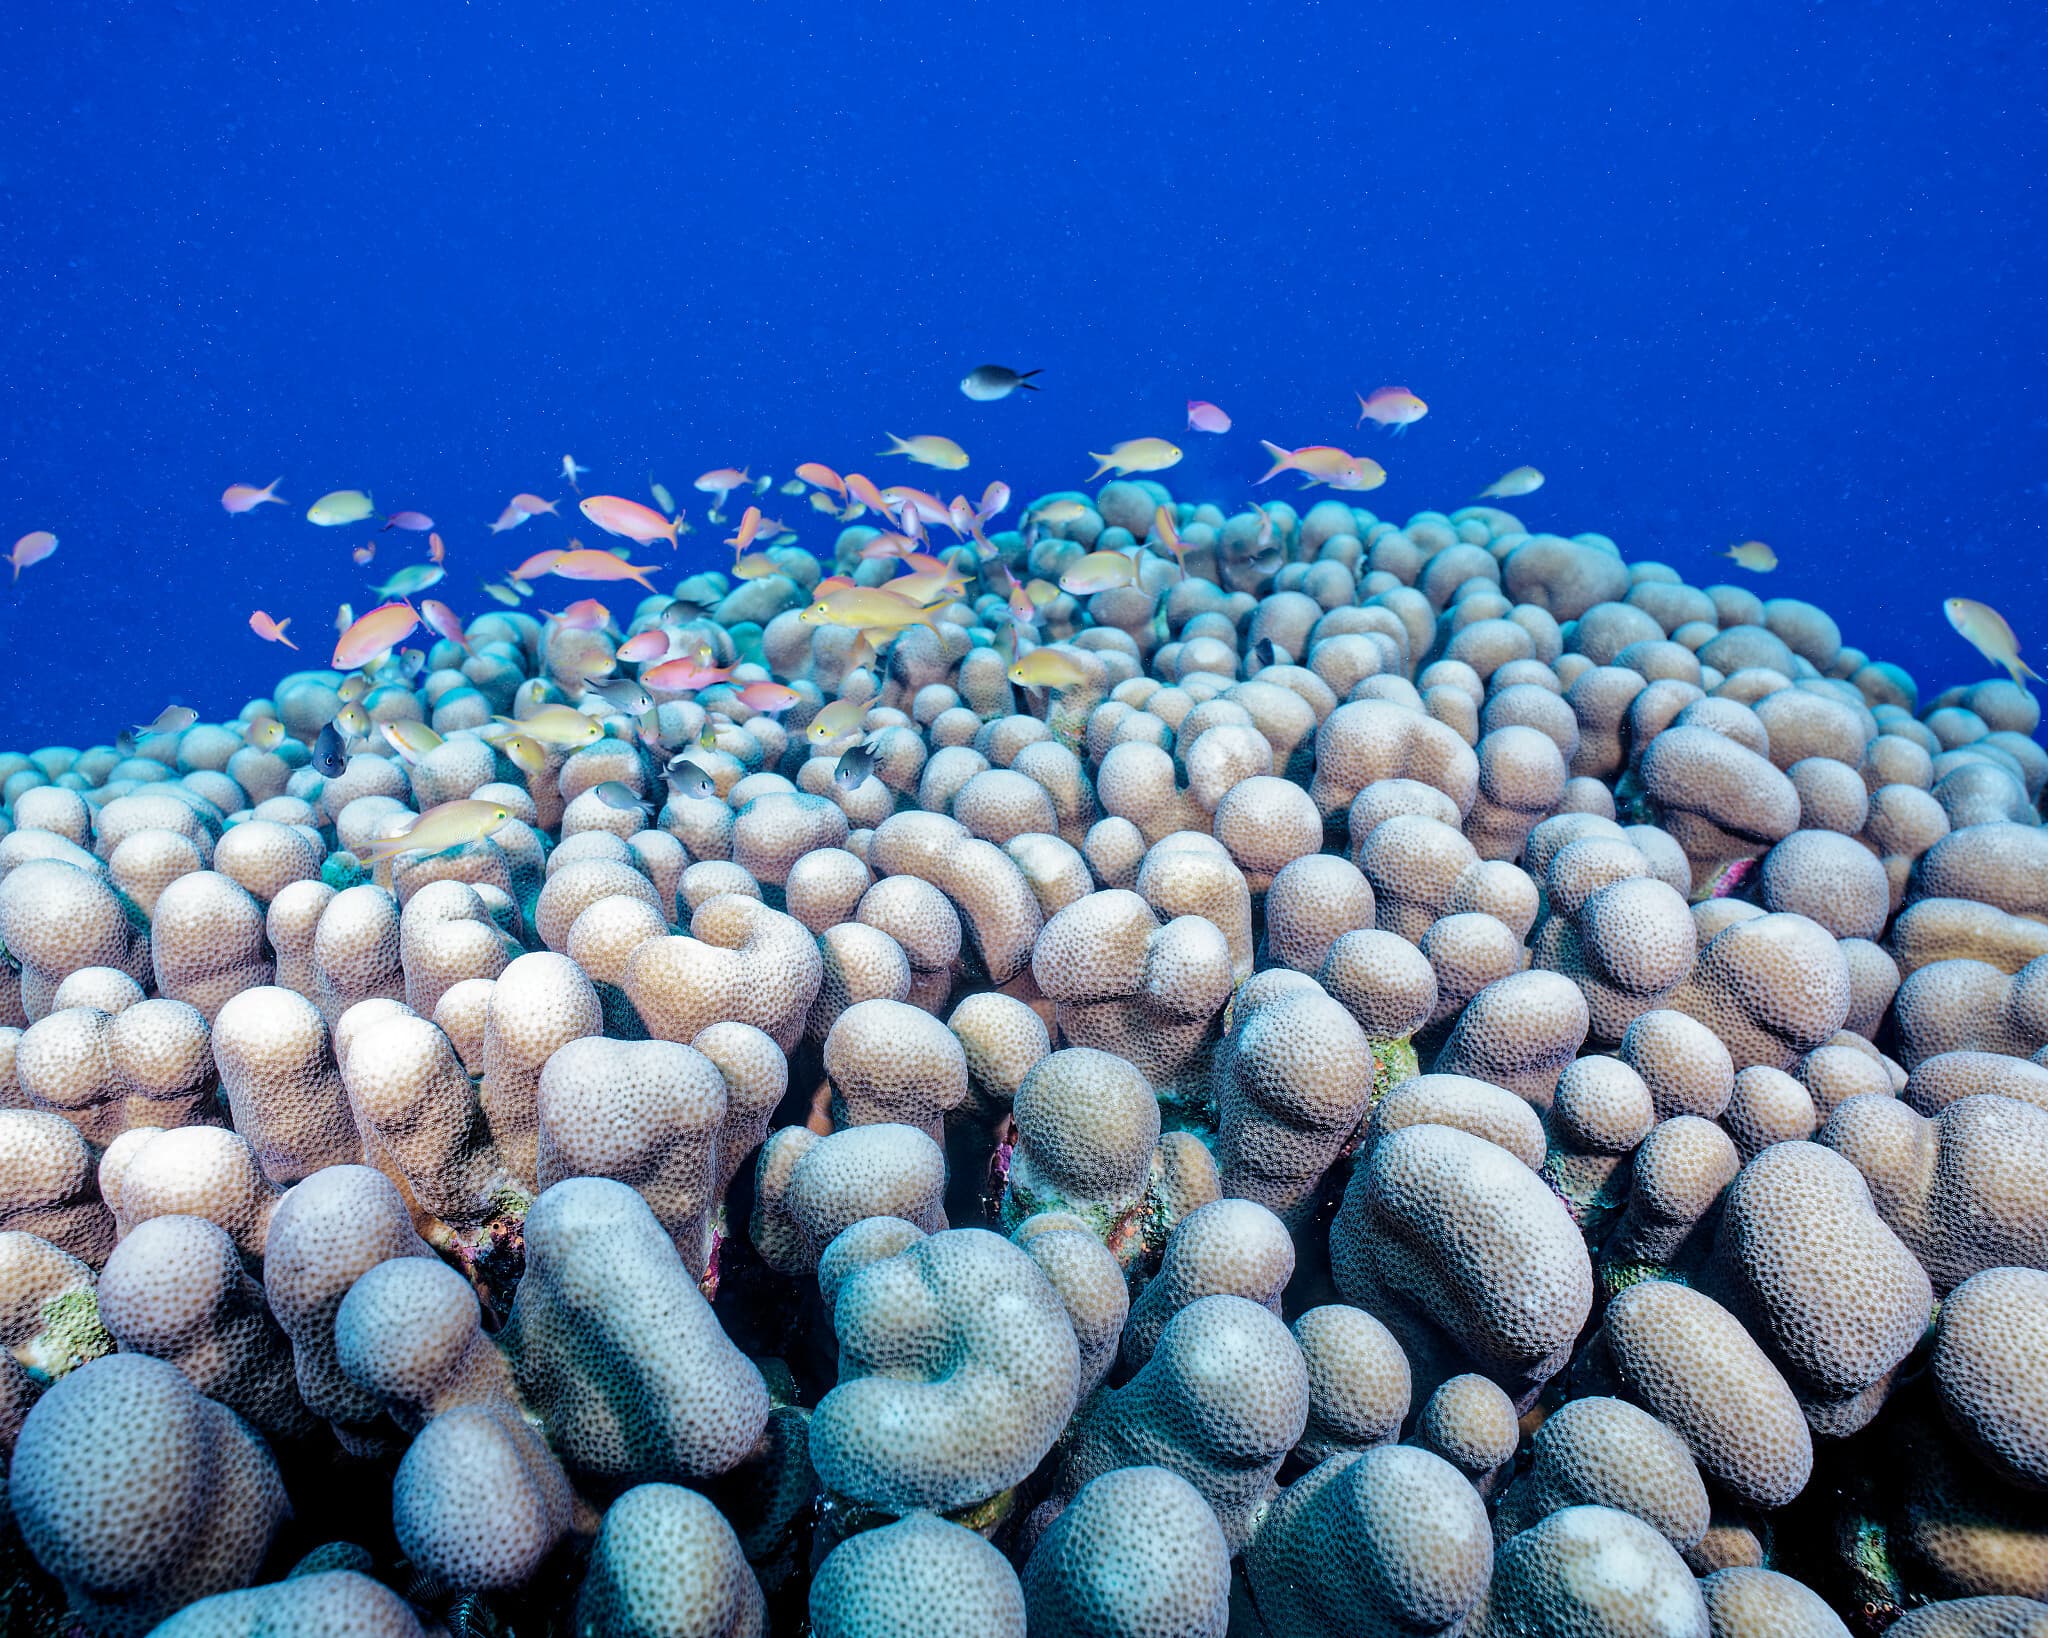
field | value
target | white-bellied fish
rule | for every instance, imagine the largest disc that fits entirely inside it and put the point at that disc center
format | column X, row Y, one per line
column 986, row 383
column 339, row 506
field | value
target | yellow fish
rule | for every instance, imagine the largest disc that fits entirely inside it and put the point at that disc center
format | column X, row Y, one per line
column 928, row 449
column 1097, row 572
column 341, row 506
column 353, row 720
column 265, row 733
column 1047, row 668
column 558, row 725
column 840, row 717
column 1524, row 480
column 1753, row 555
column 822, row 502
column 450, row 824
column 411, row 740
column 1061, row 511
column 928, row 588
column 1984, row 628
column 1136, row 455
column 661, row 494
column 527, row 755
column 867, row 609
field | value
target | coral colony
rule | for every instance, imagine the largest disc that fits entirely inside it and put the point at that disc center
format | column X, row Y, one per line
column 1145, row 1073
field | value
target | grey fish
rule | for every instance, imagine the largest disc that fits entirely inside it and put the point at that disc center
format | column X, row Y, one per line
column 170, row 720
column 688, row 779
column 679, row 613
column 124, row 742
column 328, row 753
column 989, row 382
column 616, row 794
column 622, row 692
column 855, row 767
column 1266, row 652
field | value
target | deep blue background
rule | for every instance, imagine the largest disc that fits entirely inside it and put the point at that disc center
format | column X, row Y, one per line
column 1769, row 270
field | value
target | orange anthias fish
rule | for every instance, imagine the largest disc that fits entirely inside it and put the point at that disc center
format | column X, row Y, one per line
column 374, row 635
column 1204, row 416
column 363, row 554
column 246, row 497
column 1167, row 533
column 821, row 477
column 437, row 552
column 862, row 489
column 538, row 564
column 589, row 565
column 1324, row 463
column 532, row 505
column 616, row 515
column 271, row 631
column 743, row 537
column 1395, row 408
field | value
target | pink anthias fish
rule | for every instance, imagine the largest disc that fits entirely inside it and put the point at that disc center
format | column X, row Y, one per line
column 31, row 548
column 1395, row 408
column 642, row 525
column 585, row 614
column 417, row 522
column 1204, row 416
column 246, row 497
column 510, row 518
column 374, row 635
column 271, row 631
column 538, row 564
column 771, row 699
column 685, row 674
column 644, row 646
column 722, row 481
column 442, row 619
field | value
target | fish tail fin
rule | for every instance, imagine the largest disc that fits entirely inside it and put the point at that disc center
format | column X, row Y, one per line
column 896, row 445
column 1362, row 410
column 1282, row 460
column 2020, row 669
column 1024, row 379
column 1107, row 464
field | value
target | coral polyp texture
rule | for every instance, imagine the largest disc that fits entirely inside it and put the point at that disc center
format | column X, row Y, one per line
column 1345, row 1077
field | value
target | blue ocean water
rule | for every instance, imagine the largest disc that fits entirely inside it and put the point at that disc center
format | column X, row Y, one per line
column 1721, row 272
